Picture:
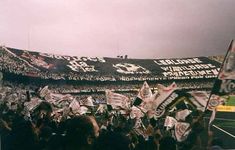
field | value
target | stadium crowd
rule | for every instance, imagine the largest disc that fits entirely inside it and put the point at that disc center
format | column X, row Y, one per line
column 76, row 88
column 125, row 88
column 87, row 132
column 72, row 117
column 40, row 128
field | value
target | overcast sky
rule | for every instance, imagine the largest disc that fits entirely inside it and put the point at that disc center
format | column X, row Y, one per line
column 137, row 28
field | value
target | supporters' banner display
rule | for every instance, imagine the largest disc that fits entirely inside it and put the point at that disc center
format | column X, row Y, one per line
column 57, row 67
column 225, row 84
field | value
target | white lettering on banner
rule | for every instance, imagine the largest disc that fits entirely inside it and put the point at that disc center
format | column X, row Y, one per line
column 127, row 68
column 191, row 67
column 227, row 86
column 70, row 58
column 188, row 67
column 75, row 63
column 178, row 61
column 191, row 73
column 80, row 66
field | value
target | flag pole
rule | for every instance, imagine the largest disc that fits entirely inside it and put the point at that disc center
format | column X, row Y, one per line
column 203, row 114
column 221, row 67
column 220, row 70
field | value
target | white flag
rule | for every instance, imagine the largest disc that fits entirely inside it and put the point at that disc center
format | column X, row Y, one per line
column 87, row 102
column 201, row 98
column 181, row 131
column 169, row 122
column 136, row 113
column 82, row 110
column 44, row 91
column 101, row 109
column 181, row 115
column 162, row 88
column 145, row 92
column 31, row 105
column 74, row 105
column 164, row 93
column 117, row 100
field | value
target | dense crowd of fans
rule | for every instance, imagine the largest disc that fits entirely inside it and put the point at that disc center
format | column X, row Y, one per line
column 40, row 130
column 125, row 88
column 87, row 132
column 30, row 121
column 77, row 88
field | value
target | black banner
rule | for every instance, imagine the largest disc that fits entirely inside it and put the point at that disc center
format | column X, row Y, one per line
column 52, row 66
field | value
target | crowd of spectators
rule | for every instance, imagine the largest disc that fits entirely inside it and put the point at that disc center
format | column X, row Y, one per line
column 88, row 132
column 207, row 85
column 29, row 121
column 76, row 88
column 40, row 130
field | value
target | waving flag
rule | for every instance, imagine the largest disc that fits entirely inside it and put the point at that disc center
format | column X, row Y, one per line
column 181, row 131
column 83, row 110
column 182, row 114
column 87, row 102
column 117, row 100
column 136, row 113
column 225, row 84
column 169, row 122
column 102, row 108
column 200, row 99
column 145, row 92
column 31, row 105
column 166, row 97
column 44, row 91
column 74, row 105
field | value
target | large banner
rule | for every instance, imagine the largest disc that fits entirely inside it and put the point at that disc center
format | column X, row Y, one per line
column 225, row 84
column 110, row 69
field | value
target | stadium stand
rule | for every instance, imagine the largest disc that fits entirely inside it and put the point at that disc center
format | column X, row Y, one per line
column 25, row 74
